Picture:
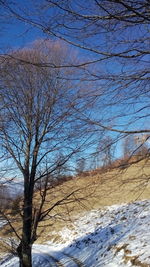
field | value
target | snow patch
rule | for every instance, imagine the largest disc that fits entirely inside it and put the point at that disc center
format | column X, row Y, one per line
column 117, row 236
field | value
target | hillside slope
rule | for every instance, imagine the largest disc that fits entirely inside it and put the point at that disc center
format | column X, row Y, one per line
column 115, row 237
column 96, row 192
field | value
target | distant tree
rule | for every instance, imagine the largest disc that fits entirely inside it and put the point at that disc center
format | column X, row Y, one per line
column 5, row 197
column 80, row 166
column 142, row 148
column 128, row 146
column 105, row 151
column 135, row 146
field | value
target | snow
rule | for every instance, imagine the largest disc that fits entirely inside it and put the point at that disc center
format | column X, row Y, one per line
column 2, row 222
column 117, row 236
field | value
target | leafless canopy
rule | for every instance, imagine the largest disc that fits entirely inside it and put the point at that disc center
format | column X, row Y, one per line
column 41, row 119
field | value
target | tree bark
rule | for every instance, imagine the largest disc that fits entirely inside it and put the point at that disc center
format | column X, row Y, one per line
column 25, row 255
column 26, row 260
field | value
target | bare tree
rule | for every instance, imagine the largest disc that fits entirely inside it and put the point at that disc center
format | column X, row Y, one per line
column 106, row 150
column 5, row 197
column 136, row 145
column 112, row 39
column 80, row 166
column 128, row 146
column 39, row 118
column 114, row 36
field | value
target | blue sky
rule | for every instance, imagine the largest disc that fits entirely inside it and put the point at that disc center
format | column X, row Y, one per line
column 19, row 34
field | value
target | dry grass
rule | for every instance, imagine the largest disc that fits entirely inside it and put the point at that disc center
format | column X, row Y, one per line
column 133, row 259
column 95, row 192
column 92, row 192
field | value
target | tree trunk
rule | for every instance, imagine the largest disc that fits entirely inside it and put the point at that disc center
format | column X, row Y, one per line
column 25, row 250
column 25, row 255
column 26, row 260
column 19, row 252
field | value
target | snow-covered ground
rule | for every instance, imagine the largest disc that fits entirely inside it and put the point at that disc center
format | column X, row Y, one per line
column 115, row 237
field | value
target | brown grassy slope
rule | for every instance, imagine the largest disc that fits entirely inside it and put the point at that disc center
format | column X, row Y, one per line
column 97, row 191
column 92, row 192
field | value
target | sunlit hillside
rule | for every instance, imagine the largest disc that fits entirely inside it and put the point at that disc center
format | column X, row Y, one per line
column 89, row 193
column 92, row 191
